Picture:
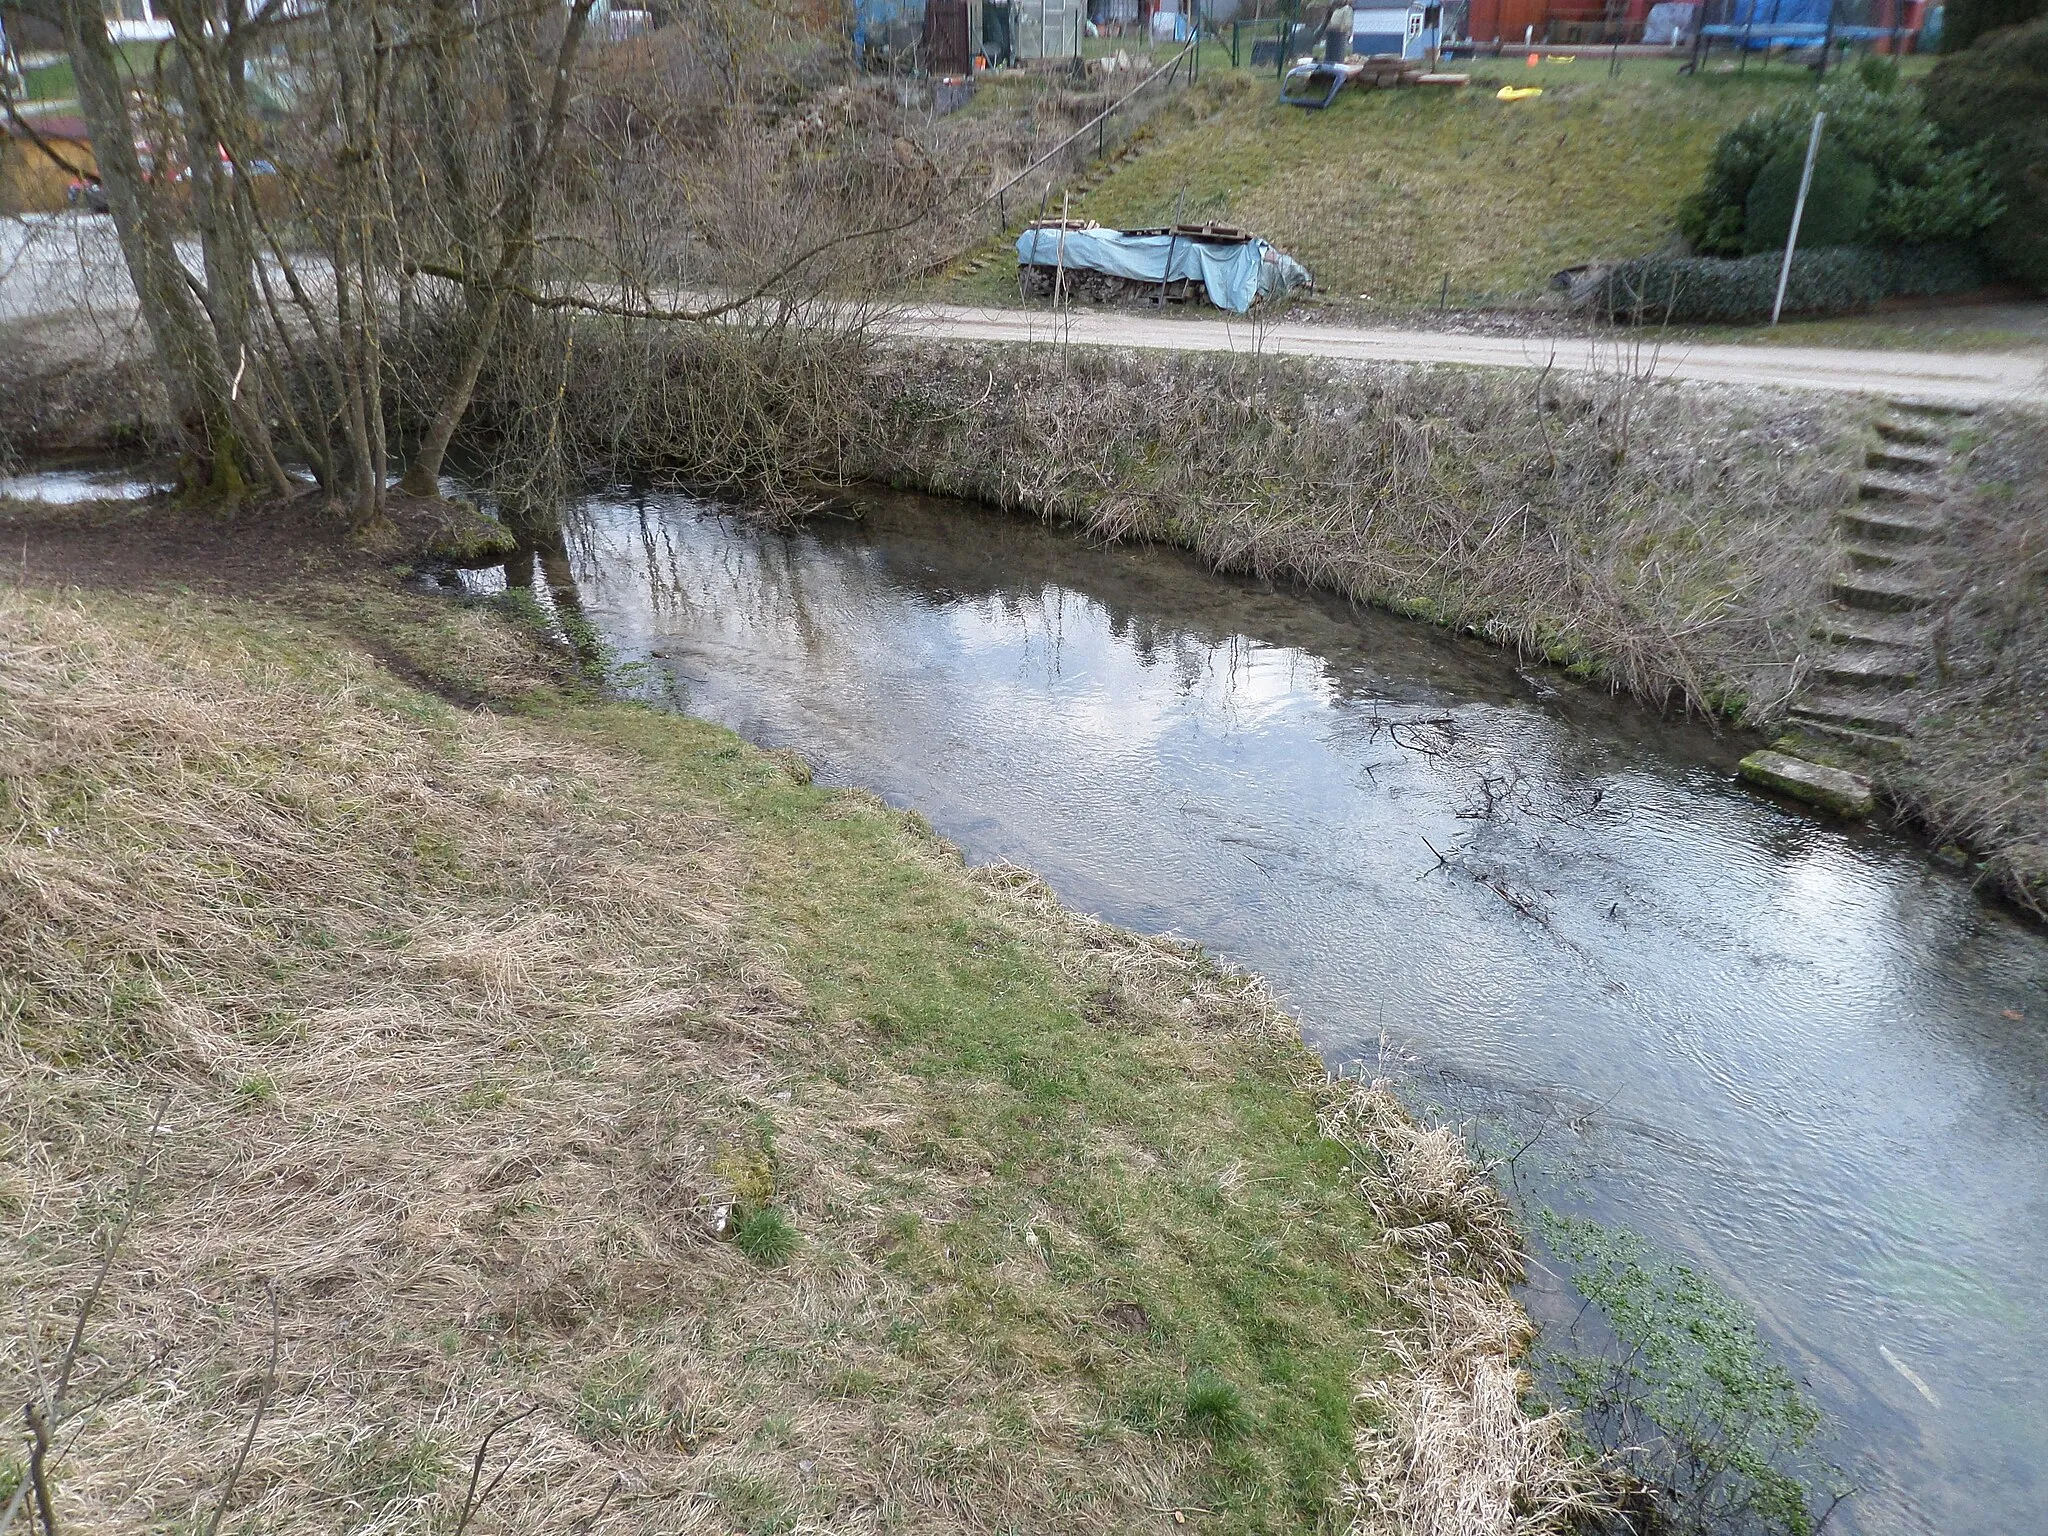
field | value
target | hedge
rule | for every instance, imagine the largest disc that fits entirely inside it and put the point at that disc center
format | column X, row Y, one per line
column 1695, row 290
column 1995, row 96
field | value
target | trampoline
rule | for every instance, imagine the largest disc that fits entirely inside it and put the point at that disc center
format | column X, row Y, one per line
column 1753, row 26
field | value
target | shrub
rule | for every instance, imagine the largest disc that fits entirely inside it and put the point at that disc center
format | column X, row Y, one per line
column 1878, row 72
column 1964, row 21
column 1837, row 203
column 1706, row 290
column 1993, row 100
column 1925, row 191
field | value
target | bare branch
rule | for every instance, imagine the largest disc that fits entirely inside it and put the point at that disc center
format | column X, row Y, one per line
column 227, row 1491
column 472, row 1501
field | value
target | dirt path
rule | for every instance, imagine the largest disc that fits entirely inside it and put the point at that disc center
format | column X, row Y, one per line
column 1960, row 378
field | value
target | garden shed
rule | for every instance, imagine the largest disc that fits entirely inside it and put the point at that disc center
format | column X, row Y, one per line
column 1408, row 31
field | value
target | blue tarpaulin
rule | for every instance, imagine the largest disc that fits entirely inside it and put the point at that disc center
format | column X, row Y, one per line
column 1234, row 273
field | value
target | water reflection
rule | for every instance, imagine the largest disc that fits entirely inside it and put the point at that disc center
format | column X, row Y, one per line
column 66, row 487
column 1777, row 1046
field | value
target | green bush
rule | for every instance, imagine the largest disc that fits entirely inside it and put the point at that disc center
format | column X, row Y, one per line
column 1964, row 21
column 1837, row 203
column 1993, row 100
column 1706, row 290
column 1878, row 72
column 1926, row 191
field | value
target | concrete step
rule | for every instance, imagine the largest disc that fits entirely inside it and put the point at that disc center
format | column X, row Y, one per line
column 1849, row 626
column 1904, row 429
column 1880, row 592
column 1906, row 461
column 1864, row 522
column 1913, row 406
column 1883, row 557
column 1832, row 789
column 1869, row 667
column 1880, row 716
column 1877, row 485
column 1872, row 744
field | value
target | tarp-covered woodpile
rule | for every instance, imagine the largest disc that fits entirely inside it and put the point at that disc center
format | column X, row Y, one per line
column 1234, row 268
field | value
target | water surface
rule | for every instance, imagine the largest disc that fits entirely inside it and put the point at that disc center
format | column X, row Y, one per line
column 1793, row 1052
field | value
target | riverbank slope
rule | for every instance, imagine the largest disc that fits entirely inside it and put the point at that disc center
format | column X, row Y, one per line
column 514, row 1052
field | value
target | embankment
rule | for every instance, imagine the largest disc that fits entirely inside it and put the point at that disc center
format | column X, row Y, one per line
column 565, row 1065
column 1672, row 540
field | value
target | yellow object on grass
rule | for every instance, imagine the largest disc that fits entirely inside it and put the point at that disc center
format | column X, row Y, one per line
column 1517, row 92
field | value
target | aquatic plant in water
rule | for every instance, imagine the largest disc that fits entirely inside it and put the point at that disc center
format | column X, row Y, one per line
column 1687, row 1404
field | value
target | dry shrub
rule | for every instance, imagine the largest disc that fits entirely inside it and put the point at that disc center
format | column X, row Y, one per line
column 1671, row 538
column 1448, row 1449
column 76, row 385
column 1976, row 769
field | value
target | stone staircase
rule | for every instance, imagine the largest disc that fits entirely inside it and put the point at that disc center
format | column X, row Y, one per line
column 1875, row 633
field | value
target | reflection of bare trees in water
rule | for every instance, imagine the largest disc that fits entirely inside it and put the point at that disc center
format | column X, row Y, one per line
column 540, row 568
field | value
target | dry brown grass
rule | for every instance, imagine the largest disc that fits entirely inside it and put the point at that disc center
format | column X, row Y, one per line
column 1976, row 770
column 1450, row 1449
column 467, row 1028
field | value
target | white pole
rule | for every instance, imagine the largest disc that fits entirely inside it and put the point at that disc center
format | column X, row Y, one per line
column 1798, row 212
column 1059, row 274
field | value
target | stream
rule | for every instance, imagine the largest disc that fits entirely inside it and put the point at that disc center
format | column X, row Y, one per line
column 1794, row 1053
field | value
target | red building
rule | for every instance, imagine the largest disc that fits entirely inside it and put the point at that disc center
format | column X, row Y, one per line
column 1582, row 22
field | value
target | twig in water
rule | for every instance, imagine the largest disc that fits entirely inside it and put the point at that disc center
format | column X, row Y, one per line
column 1579, row 1122
column 1514, row 1156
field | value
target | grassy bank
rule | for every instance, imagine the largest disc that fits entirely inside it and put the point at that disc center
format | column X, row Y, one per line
column 563, row 1058
column 1975, row 773
column 1388, row 192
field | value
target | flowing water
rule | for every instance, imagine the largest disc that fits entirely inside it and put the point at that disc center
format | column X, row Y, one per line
column 1793, row 1052
column 62, row 487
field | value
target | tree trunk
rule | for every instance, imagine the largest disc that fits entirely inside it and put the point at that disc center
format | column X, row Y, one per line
column 214, row 436
column 534, row 146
